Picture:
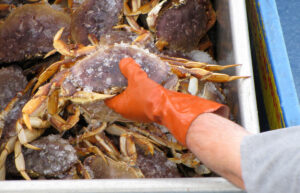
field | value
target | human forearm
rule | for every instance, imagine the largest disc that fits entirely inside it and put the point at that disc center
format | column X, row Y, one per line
column 216, row 142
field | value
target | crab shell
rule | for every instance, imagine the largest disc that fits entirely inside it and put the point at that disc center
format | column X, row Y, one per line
column 95, row 17
column 100, row 73
column 12, row 81
column 54, row 149
column 156, row 165
column 28, row 31
column 99, row 169
column 181, row 24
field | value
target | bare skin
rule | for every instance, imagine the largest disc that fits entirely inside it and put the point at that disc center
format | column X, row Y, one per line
column 216, row 142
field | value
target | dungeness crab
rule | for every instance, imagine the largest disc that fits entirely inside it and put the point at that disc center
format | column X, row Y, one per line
column 87, row 76
column 28, row 31
column 177, row 24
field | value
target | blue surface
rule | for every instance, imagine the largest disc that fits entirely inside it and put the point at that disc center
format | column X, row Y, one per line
column 279, row 60
column 289, row 13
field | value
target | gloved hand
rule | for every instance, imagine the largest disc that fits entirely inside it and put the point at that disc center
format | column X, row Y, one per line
column 146, row 101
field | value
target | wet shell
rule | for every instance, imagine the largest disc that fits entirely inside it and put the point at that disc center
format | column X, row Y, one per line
column 55, row 157
column 95, row 17
column 12, row 81
column 99, row 169
column 182, row 24
column 100, row 71
column 28, row 32
column 156, row 165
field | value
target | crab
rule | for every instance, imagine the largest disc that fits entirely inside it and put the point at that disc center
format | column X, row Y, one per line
column 178, row 25
column 91, row 74
column 53, row 149
column 12, row 81
column 133, row 157
column 28, row 31
column 95, row 17
column 12, row 137
column 99, row 168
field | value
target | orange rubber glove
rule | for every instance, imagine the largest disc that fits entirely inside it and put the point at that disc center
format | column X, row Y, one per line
column 146, row 101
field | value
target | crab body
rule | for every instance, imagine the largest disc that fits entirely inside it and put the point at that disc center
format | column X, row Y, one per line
column 99, row 72
column 28, row 31
column 89, row 75
column 12, row 81
column 177, row 25
column 156, row 165
column 95, row 17
column 53, row 149
column 182, row 24
column 98, row 168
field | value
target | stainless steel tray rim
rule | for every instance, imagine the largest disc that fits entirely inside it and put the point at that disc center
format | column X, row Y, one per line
column 120, row 185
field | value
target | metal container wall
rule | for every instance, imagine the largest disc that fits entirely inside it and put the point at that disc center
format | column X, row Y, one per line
column 232, row 48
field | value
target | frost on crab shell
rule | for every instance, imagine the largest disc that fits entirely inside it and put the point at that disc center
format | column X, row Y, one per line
column 54, row 150
column 92, row 74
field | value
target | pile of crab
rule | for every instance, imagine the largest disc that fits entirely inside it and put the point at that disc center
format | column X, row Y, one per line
column 59, row 62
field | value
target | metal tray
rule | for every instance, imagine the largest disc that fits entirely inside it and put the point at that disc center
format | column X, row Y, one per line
column 232, row 48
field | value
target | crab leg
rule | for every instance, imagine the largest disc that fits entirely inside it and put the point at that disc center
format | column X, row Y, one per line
column 127, row 148
column 82, row 97
column 218, row 77
column 142, row 38
column 14, row 143
column 143, row 141
column 34, row 105
column 203, row 74
column 153, row 14
column 186, row 72
column 25, row 135
column 6, row 7
column 193, row 64
column 135, row 4
column 161, row 44
column 159, row 140
column 50, row 71
column 62, row 125
column 131, row 28
column 95, row 150
column 8, row 148
column 108, row 147
column 126, row 8
column 60, row 45
column 53, row 102
column 144, row 9
column 133, row 24
column 66, row 50
column 80, row 168
column 93, row 39
column 19, row 161
column 187, row 159
column 93, row 132
column 144, row 35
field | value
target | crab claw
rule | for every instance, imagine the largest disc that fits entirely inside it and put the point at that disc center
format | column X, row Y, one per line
column 60, row 45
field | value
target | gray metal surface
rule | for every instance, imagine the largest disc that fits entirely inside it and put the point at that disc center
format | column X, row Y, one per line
column 201, row 185
column 232, row 48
